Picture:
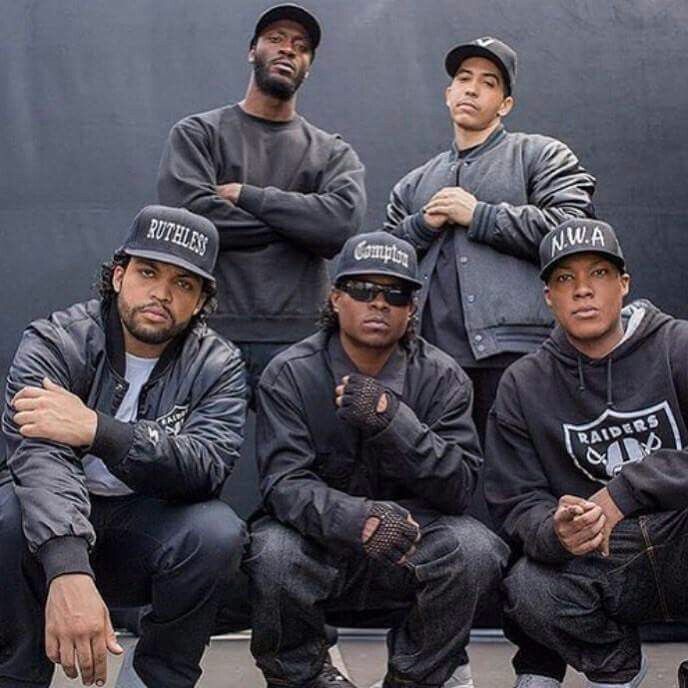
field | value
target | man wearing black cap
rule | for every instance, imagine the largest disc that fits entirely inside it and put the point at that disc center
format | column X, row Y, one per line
column 368, row 458
column 283, row 194
column 123, row 417
column 476, row 214
column 585, row 469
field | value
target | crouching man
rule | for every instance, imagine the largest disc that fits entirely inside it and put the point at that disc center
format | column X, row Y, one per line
column 368, row 457
column 585, row 468
column 123, row 417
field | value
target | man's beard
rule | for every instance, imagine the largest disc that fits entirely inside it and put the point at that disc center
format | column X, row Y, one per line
column 146, row 333
column 281, row 88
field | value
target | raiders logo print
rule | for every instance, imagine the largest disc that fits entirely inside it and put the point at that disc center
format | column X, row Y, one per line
column 173, row 421
column 601, row 448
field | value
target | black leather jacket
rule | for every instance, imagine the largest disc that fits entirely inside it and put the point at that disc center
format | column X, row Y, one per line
column 318, row 473
column 185, row 443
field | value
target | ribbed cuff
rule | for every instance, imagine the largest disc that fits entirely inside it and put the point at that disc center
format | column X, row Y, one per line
column 622, row 494
column 549, row 547
column 483, row 223
column 251, row 198
column 423, row 234
column 62, row 555
column 113, row 440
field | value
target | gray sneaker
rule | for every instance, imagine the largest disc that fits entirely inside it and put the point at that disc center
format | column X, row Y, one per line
column 633, row 683
column 461, row 678
column 535, row 681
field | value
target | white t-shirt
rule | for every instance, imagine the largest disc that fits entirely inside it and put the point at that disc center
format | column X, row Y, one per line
column 99, row 480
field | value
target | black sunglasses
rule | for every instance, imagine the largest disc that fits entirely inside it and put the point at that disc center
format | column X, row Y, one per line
column 368, row 291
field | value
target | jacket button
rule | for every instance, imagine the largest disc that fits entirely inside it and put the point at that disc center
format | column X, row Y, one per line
column 463, row 260
column 478, row 338
column 471, row 298
column 481, row 347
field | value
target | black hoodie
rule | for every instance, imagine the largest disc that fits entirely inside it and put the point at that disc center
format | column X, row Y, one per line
column 563, row 423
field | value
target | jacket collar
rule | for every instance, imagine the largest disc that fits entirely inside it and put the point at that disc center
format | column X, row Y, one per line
column 490, row 142
column 392, row 375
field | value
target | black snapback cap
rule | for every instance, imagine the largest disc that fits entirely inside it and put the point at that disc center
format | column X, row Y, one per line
column 579, row 235
column 378, row 253
column 490, row 48
column 295, row 13
column 176, row 236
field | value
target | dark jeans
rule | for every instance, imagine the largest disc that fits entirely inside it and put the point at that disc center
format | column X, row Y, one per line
column 177, row 557
column 256, row 356
column 589, row 609
column 531, row 657
column 295, row 582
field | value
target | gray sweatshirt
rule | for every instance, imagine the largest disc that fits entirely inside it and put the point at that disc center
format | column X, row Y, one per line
column 302, row 197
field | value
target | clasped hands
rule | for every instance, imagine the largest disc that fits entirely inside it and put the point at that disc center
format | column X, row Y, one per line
column 450, row 204
column 584, row 526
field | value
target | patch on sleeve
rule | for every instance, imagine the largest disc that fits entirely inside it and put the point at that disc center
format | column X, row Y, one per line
column 173, row 420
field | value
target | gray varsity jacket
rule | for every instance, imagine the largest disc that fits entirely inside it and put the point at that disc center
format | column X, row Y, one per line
column 526, row 184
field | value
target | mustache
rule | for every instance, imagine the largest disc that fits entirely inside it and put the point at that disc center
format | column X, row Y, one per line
column 154, row 304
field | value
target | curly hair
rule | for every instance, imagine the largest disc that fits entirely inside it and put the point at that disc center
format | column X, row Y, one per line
column 328, row 322
column 107, row 293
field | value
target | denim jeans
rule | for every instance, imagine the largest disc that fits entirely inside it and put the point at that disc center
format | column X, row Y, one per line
column 589, row 609
column 296, row 583
column 177, row 557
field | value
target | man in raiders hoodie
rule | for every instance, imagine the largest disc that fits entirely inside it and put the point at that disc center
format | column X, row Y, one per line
column 585, row 468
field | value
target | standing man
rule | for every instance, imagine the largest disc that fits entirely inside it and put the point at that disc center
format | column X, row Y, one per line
column 283, row 194
column 586, row 464
column 476, row 214
column 368, row 458
column 123, row 417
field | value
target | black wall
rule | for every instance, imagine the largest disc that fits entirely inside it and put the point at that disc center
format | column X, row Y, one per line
column 89, row 89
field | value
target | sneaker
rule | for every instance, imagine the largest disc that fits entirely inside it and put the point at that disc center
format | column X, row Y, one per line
column 330, row 677
column 461, row 678
column 683, row 674
column 633, row 683
column 536, row 681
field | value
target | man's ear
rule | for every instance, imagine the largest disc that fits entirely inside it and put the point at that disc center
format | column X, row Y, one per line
column 548, row 299
column 117, row 277
column 626, row 282
column 201, row 302
column 252, row 55
column 335, row 296
column 506, row 106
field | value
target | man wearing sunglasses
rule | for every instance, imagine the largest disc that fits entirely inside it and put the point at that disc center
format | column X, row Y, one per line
column 368, row 458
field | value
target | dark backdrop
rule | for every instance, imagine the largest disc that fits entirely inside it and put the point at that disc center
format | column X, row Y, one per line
column 90, row 88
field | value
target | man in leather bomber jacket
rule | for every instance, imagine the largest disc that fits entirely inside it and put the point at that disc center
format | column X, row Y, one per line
column 368, row 458
column 123, row 417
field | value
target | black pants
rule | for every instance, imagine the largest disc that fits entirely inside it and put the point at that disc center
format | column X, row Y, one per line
column 177, row 557
column 589, row 608
column 296, row 584
column 531, row 657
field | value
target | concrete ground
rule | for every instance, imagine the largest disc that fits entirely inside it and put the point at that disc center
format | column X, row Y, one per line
column 228, row 663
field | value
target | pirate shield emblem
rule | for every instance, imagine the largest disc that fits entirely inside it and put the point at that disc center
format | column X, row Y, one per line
column 172, row 422
column 602, row 447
